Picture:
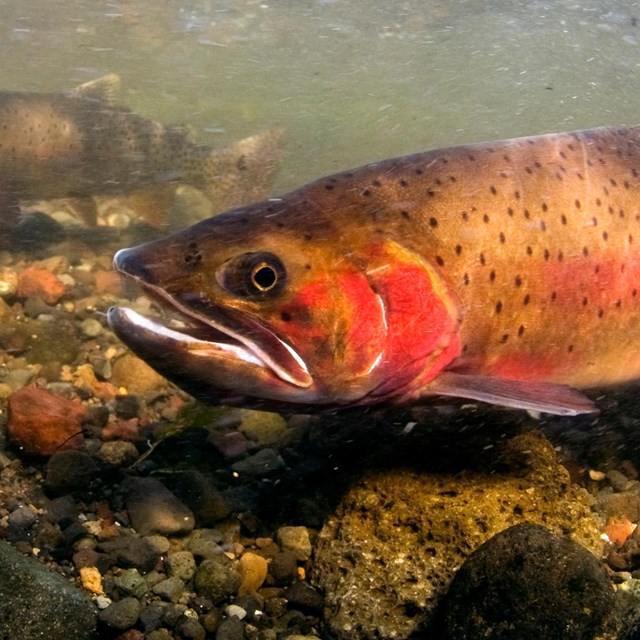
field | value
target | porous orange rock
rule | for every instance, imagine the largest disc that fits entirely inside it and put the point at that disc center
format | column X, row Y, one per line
column 34, row 281
column 42, row 423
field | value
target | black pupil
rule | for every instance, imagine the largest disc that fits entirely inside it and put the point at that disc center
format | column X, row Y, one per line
column 264, row 277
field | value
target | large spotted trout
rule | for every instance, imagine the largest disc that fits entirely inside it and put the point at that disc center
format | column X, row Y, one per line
column 505, row 272
column 80, row 144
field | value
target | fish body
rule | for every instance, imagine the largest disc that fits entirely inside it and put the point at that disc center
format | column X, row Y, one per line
column 507, row 272
column 80, row 144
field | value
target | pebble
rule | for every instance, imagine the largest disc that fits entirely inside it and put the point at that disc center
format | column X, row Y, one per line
column 121, row 615
column 253, row 572
column 132, row 552
column 170, row 589
column 205, row 543
column 154, row 509
column 551, row 585
column 34, row 281
column 91, row 580
column 262, row 463
column 230, row 629
column 303, row 597
column 91, row 327
column 42, row 423
column 296, row 540
column 216, row 579
column 159, row 543
column 118, row 453
column 131, row 583
column 235, row 610
column 8, row 282
column 137, row 377
column 181, row 564
column 283, row 568
column 68, row 471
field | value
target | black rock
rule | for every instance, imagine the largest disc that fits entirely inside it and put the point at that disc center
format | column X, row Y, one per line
column 68, row 471
column 526, row 582
column 37, row 603
column 121, row 615
column 132, row 552
column 230, row 629
column 304, row 598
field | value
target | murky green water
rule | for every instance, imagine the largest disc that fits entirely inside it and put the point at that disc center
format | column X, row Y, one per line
column 350, row 81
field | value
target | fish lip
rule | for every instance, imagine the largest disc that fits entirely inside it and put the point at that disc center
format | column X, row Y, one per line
column 238, row 340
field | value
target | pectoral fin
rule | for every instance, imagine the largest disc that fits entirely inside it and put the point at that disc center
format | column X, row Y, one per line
column 545, row 397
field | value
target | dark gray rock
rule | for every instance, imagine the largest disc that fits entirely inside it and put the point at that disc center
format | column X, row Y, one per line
column 260, row 464
column 217, row 579
column 121, row 615
column 37, row 603
column 230, row 629
column 68, row 471
column 526, row 582
column 132, row 552
column 283, row 568
column 170, row 589
column 154, row 509
column 201, row 496
column 304, row 598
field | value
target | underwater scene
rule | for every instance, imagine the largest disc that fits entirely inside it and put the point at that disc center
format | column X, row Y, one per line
column 319, row 319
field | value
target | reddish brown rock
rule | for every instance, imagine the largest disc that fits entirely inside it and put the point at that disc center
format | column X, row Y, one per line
column 42, row 283
column 108, row 282
column 42, row 423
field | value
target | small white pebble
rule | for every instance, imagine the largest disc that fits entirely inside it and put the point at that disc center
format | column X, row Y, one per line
column 102, row 602
column 234, row 610
column 597, row 476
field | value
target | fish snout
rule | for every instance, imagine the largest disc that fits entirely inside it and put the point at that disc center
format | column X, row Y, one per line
column 128, row 261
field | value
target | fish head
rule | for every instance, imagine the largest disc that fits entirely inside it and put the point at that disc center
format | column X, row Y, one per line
column 279, row 307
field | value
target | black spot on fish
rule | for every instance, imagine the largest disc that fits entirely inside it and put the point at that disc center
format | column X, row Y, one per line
column 440, row 261
column 545, row 208
column 502, row 237
column 406, row 215
column 498, row 306
column 307, row 237
column 482, row 260
column 465, row 278
column 618, row 303
column 543, row 225
column 485, row 218
column 546, row 254
column 376, row 183
column 600, row 313
column 585, row 251
column 518, row 281
column 526, row 300
column 366, row 192
column 585, row 301
column 553, row 296
column 285, row 316
column 433, row 222
column 612, row 182
column 563, row 219
column 328, row 187
column 526, row 214
column 492, row 276
column 520, row 330
column 570, row 348
column 505, row 337
column 516, row 195
column 493, row 190
column 510, row 211
column 403, row 183
column 465, row 216
column 605, row 236
column 458, row 249
column 419, row 171
column 560, row 256
column 529, row 251
column 577, row 204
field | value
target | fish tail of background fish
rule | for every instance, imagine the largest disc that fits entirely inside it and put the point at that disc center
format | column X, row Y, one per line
column 240, row 173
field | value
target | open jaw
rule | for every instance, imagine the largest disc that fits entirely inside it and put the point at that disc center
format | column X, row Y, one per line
column 210, row 332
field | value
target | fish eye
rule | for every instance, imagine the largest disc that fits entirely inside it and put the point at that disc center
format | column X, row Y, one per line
column 253, row 275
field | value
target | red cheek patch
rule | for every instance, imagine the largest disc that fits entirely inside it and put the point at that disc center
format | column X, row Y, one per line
column 422, row 319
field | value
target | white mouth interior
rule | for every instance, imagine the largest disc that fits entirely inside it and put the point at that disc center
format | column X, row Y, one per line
column 194, row 345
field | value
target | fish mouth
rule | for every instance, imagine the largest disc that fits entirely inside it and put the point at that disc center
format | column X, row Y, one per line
column 212, row 331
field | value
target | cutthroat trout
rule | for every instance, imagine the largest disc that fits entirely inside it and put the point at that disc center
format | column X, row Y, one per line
column 80, row 144
column 505, row 272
